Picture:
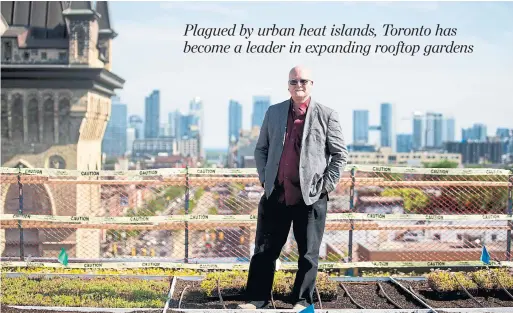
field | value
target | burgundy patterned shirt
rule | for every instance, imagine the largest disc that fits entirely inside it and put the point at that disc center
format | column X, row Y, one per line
column 288, row 171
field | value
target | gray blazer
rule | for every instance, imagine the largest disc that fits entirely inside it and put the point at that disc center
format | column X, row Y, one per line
column 323, row 151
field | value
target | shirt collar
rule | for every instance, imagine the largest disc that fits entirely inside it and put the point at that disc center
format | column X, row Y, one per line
column 302, row 106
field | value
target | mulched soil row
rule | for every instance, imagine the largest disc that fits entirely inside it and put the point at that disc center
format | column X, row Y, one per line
column 490, row 299
column 365, row 294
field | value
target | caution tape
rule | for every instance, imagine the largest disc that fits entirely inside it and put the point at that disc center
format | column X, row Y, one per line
column 50, row 172
column 223, row 171
column 246, row 171
column 238, row 266
column 429, row 171
column 246, row 218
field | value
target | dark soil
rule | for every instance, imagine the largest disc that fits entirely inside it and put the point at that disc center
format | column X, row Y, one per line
column 365, row 294
column 459, row 299
column 403, row 299
column 194, row 299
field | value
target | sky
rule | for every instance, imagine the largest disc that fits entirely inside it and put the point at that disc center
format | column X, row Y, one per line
column 473, row 87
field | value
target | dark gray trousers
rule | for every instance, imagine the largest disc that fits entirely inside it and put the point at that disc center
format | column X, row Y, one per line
column 273, row 226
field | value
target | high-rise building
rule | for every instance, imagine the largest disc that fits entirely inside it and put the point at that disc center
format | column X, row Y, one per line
column 152, row 115
column 504, row 133
column 478, row 132
column 114, row 140
column 136, row 122
column 197, row 123
column 418, row 131
column 449, row 130
column 130, row 138
column 260, row 106
column 387, row 126
column 360, row 126
column 165, row 131
column 175, row 123
column 197, row 113
column 478, row 152
column 234, row 120
column 404, row 143
column 466, row 134
column 185, row 126
column 434, row 130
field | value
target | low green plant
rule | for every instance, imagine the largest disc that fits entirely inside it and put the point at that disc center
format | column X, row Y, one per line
column 327, row 288
column 484, row 279
column 487, row 279
column 445, row 281
column 505, row 276
column 234, row 282
column 282, row 284
column 95, row 292
column 229, row 282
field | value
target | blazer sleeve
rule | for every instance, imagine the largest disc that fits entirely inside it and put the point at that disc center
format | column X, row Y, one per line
column 338, row 151
column 262, row 148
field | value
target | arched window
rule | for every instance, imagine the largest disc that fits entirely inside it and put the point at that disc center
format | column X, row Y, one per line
column 17, row 118
column 48, row 122
column 64, row 121
column 33, row 121
column 5, row 119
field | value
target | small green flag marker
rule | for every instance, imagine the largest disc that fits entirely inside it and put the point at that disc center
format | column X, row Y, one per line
column 63, row 257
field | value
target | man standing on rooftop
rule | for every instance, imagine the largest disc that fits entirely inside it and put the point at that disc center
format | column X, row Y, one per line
column 300, row 155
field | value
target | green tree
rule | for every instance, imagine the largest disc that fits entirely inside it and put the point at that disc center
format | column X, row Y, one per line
column 414, row 199
column 441, row 164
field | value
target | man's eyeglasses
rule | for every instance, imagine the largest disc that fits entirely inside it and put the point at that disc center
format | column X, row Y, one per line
column 294, row 82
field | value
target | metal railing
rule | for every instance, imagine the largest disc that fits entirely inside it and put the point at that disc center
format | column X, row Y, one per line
column 206, row 215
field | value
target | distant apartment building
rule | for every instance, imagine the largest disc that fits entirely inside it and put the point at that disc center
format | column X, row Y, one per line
column 360, row 126
column 387, row 157
column 234, row 120
column 114, row 140
column 387, row 126
column 478, row 152
column 152, row 115
column 260, row 106
column 146, row 148
column 404, row 143
column 478, row 132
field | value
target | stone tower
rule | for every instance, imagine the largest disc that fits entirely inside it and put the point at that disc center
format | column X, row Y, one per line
column 55, row 104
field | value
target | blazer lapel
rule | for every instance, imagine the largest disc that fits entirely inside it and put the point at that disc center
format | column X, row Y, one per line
column 282, row 120
column 311, row 114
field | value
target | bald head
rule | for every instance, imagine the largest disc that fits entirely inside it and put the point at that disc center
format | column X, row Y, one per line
column 300, row 84
column 300, row 71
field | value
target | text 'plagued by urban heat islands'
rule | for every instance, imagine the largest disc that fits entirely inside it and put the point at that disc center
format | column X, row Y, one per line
column 302, row 30
column 364, row 40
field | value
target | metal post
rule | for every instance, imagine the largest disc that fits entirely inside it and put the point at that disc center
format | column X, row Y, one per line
column 351, row 208
column 187, row 187
column 20, row 212
column 510, row 212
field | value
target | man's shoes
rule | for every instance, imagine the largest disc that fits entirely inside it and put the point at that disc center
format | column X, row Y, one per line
column 253, row 305
column 299, row 306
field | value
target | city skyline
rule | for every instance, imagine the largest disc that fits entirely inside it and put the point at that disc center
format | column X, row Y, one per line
column 442, row 127
column 460, row 84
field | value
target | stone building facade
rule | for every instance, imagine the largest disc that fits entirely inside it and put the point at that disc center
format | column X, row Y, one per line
column 55, row 104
